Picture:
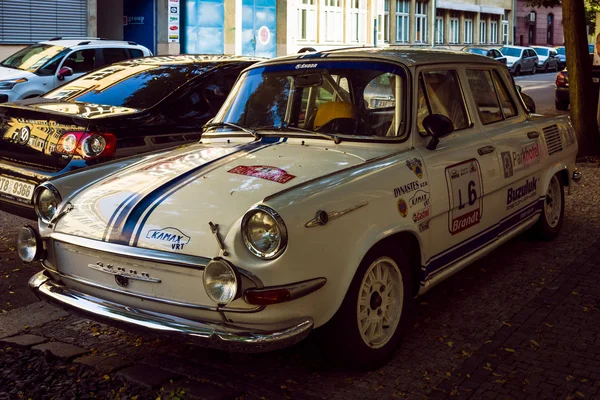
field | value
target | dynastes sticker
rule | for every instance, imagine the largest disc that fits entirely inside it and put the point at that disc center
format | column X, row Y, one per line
column 466, row 205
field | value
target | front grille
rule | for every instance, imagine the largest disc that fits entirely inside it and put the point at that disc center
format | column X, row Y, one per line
column 553, row 139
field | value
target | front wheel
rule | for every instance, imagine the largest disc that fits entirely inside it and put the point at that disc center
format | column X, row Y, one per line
column 561, row 105
column 533, row 70
column 377, row 308
column 551, row 220
column 517, row 70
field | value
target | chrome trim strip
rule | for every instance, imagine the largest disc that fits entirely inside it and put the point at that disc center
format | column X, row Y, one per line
column 182, row 260
column 318, row 221
column 177, row 303
column 216, row 335
column 297, row 290
column 120, row 271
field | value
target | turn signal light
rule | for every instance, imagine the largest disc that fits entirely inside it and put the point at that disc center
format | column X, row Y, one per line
column 87, row 145
column 266, row 297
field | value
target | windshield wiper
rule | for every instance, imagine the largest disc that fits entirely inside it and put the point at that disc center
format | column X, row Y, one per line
column 232, row 125
column 331, row 136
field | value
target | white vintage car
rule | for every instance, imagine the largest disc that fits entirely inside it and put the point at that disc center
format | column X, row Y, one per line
column 329, row 191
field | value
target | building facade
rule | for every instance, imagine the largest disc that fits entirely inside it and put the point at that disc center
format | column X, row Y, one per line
column 538, row 25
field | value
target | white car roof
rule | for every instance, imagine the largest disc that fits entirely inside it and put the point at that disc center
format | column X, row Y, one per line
column 91, row 42
column 518, row 47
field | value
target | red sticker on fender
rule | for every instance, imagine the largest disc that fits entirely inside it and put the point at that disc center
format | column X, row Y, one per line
column 261, row 171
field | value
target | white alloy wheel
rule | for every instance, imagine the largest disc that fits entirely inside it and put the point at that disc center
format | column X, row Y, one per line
column 554, row 203
column 380, row 302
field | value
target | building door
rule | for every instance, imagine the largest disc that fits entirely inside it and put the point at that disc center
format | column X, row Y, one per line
column 139, row 23
column 259, row 24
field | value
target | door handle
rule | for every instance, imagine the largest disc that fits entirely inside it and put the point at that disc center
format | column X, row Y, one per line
column 486, row 150
column 533, row 135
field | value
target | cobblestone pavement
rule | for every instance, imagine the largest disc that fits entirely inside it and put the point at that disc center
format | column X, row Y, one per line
column 523, row 323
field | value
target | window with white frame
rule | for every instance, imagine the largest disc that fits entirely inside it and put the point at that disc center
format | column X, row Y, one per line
column 357, row 20
column 482, row 30
column 439, row 29
column 420, row 22
column 493, row 32
column 505, row 27
column 453, row 30
column 468, row 29
column 402, row 21
column 332, row 19
column 386, row 21
column 307, row 13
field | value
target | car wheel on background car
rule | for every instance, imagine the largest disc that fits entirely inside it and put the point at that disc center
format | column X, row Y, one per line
column 517, row 70
column 376, row 310
column 561, row 105
column 534, row 69
column 551, row 220
column 546, row 68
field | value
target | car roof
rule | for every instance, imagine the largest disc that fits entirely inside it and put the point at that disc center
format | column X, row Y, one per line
column 407, row 56
column 186, row 59
column 543, row 47
column 85, row 41
column 518, row 47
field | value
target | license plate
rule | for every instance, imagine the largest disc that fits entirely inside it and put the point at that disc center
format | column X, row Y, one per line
column 383, row 103
column 15, row 188
column 595, row 80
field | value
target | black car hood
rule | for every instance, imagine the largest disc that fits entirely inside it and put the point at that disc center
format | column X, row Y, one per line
column 72, row 109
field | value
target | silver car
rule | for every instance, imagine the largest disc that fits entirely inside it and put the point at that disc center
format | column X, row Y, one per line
column 520, row 59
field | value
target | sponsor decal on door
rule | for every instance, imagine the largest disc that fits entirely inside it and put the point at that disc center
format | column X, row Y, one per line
column 516, row 161
column 465, row 190
column 518, row 195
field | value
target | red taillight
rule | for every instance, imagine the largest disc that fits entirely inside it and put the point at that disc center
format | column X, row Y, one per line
column 561, row 79
column 87, row 145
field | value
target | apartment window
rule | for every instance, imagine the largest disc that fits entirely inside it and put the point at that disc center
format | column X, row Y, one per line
column 386, row 21
column 439, row 29
column 453, row 30
column 402, row 21
column 482, row 30
column 421, row 22
column 550, row 30
column 307, row 13
column 356, row 22
column 494, row 32
column 468, row 36
column 505, row 28
column 332, row 19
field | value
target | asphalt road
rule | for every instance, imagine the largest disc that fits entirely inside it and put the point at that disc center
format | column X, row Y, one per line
column 541, row 88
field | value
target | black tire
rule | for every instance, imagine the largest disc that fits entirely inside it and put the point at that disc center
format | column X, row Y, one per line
column 534, row 70
column 546, row 68
column 561, row 105
column 517, row 70
column 546, row 229
column 343, row 340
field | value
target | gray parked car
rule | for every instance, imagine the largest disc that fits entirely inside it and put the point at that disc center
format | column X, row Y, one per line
column 520, row 59
column 547, row 58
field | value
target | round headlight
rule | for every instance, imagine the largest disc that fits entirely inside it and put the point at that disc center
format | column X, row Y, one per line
column 220, row 281
column 264, row 232
column 28, row 244
column 46, row 203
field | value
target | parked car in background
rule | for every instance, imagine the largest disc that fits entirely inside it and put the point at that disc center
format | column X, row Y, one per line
column 562, row 56
column 547, row 58
column 241, row 242
column 561, row 88
column 492, row 53
column 41, row 67
column 520, row 59
column 117, row 111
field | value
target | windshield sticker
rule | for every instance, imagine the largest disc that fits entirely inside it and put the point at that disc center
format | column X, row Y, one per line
column 416, row 166
column 514, row 162
column 169, row 236
column 402, row 208
column 466, row 205
column 263, row 172
column 520, row 194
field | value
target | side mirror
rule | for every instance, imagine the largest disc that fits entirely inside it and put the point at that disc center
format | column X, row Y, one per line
column 437, row 126
column 518, row 88
column 64, row 71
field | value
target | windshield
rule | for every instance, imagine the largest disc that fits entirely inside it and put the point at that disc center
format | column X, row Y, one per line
column 541, row 51
column 133, row 84
column 511, row 51
column 315, row 97
column 561, row 50
column 36, row 57
column 478, row 51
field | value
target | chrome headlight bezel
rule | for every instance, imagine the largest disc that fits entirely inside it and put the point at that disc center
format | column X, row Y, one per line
column 283, row 234
column 32, row 239
column 209, row 278
column 36, row 196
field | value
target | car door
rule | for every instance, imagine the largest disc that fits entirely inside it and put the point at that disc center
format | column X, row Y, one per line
column 80, row 61
column 517, row 143
column 457, row 169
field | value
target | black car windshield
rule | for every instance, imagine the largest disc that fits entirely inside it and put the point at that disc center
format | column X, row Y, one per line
column 35, row 57
column 131, row 84
column 511, row 51
column 320, row 98
column 541, row 51
column 483, row 52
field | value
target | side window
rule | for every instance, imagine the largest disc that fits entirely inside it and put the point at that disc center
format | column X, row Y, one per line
column 136, row 53
column 443, row 95
column 482, row 87
column 113, row 55
column 508, row 106
column 81, row 61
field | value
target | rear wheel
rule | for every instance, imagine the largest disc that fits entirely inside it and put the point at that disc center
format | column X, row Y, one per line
column 377, row 308
column 551, row 220
column 534, row 69
column 546, row 68
column 561, row 105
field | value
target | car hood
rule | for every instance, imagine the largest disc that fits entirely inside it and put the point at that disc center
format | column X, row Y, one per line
column 72, row 109
column 511, row 59
column 167, row 203
column 12, row 73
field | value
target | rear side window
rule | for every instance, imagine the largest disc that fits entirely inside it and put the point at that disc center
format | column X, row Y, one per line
column 489, row 93
column 136, row 53
column 113, row 55
column 81, row 61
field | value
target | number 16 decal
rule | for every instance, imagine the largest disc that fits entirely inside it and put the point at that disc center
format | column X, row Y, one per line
column 466, row 204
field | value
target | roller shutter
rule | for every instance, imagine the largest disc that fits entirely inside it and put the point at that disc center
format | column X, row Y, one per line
column 31, row 21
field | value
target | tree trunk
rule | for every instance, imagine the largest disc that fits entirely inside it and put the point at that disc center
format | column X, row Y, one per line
column 581, row 89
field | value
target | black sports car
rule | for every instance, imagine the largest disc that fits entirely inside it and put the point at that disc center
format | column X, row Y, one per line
column 127, row 108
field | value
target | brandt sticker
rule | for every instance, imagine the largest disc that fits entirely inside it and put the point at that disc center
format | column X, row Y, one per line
column 466, row 192
column 263, row 172
column 169, row 236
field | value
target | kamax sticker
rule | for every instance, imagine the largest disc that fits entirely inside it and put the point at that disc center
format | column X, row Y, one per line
column 169, row 236
column 273, row 174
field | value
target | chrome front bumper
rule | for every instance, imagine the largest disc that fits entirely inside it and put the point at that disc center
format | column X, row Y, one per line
column 221, row 336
